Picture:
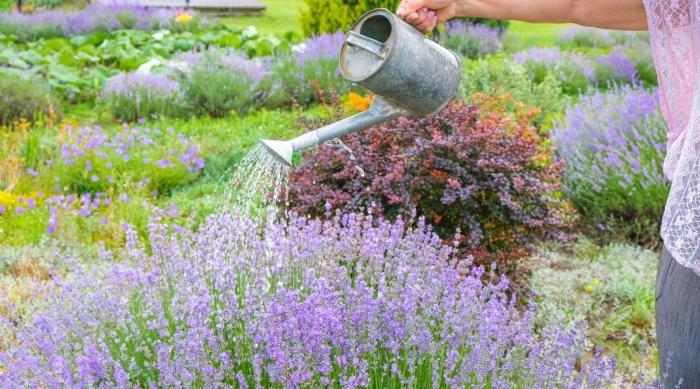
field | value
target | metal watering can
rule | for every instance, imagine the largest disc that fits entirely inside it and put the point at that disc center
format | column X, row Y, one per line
column 409, row 73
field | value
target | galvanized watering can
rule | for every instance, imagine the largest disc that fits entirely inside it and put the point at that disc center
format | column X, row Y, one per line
column 409, row 73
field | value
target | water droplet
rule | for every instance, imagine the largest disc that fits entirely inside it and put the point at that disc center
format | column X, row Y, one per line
column 258, row 182
column 351, row 156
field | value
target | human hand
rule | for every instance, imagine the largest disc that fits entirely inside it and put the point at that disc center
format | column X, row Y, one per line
column 426, row 14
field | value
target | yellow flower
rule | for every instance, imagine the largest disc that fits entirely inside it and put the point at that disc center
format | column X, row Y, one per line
column 588, row 288
column 7, row 199
column 183, row 18
column 596, row 282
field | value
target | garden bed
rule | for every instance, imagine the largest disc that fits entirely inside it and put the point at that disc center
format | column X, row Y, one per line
column 124, row 262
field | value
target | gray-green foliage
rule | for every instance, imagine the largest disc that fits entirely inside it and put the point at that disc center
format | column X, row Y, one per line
column 499, row 75
column 612, row 289
column 218, row 92
column 24, row 99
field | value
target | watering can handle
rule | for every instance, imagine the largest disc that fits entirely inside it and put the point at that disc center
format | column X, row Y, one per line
column 376, row 47
column 436, row 35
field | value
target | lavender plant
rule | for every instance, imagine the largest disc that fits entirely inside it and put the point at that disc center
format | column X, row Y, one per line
column 309, row 73
column 220, row 82
column 94, row 17
column 472, row 40
column 574, row 71
column 352, row 302
column 93, row 160
column 614, row 144
column 134, row 96
column 578, row 36
column 616, row 69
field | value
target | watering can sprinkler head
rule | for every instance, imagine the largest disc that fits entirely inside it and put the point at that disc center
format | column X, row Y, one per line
column 280, row 149
column 409, row 73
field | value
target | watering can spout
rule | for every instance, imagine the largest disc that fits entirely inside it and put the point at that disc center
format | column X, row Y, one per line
column 280, row 149
column 380, row 111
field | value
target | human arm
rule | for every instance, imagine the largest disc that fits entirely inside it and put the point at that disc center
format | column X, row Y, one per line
column 612, row 14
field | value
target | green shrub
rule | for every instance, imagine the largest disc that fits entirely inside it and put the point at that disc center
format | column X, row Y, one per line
column 610, row 288
column 218, row 93
column 498, row 75
column 332, row 15
column 25, row 99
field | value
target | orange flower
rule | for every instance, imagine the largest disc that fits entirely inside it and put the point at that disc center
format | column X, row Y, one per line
column 355, row 102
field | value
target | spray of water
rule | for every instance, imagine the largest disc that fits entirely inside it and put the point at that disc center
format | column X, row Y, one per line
column 258, row 183
column 339, row 144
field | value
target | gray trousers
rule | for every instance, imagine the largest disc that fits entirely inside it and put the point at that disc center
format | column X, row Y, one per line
column 678, row 323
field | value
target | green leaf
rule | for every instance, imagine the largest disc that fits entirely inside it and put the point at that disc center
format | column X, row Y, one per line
column 64, row 73
column 230, row 40
column 184, row 45
column 55, row 45
column 31, row 56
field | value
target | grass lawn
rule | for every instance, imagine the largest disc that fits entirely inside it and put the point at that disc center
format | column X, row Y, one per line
column 522, row 35
column 279, row 17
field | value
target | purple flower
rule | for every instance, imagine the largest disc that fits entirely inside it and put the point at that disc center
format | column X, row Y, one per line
column 163, row 163
column 19, row 210
column 136, row 85
column 472, row 40
column 320, row 47
column 565, row 63
column 225, row 59
column 610, row 144
column 2, row 209
column 96, row 16
column 290, row 303
column 621, row 66
column 94, row 178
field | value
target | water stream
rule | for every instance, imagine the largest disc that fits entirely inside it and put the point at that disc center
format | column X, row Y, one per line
column 339, row 144
column 259, row 182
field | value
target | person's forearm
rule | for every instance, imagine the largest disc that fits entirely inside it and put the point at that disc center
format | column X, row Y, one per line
column 614, row 14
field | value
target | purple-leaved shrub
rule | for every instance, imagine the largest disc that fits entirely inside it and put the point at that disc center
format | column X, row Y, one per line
column 483, row 176
column 349, row 302
column 613, row 144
